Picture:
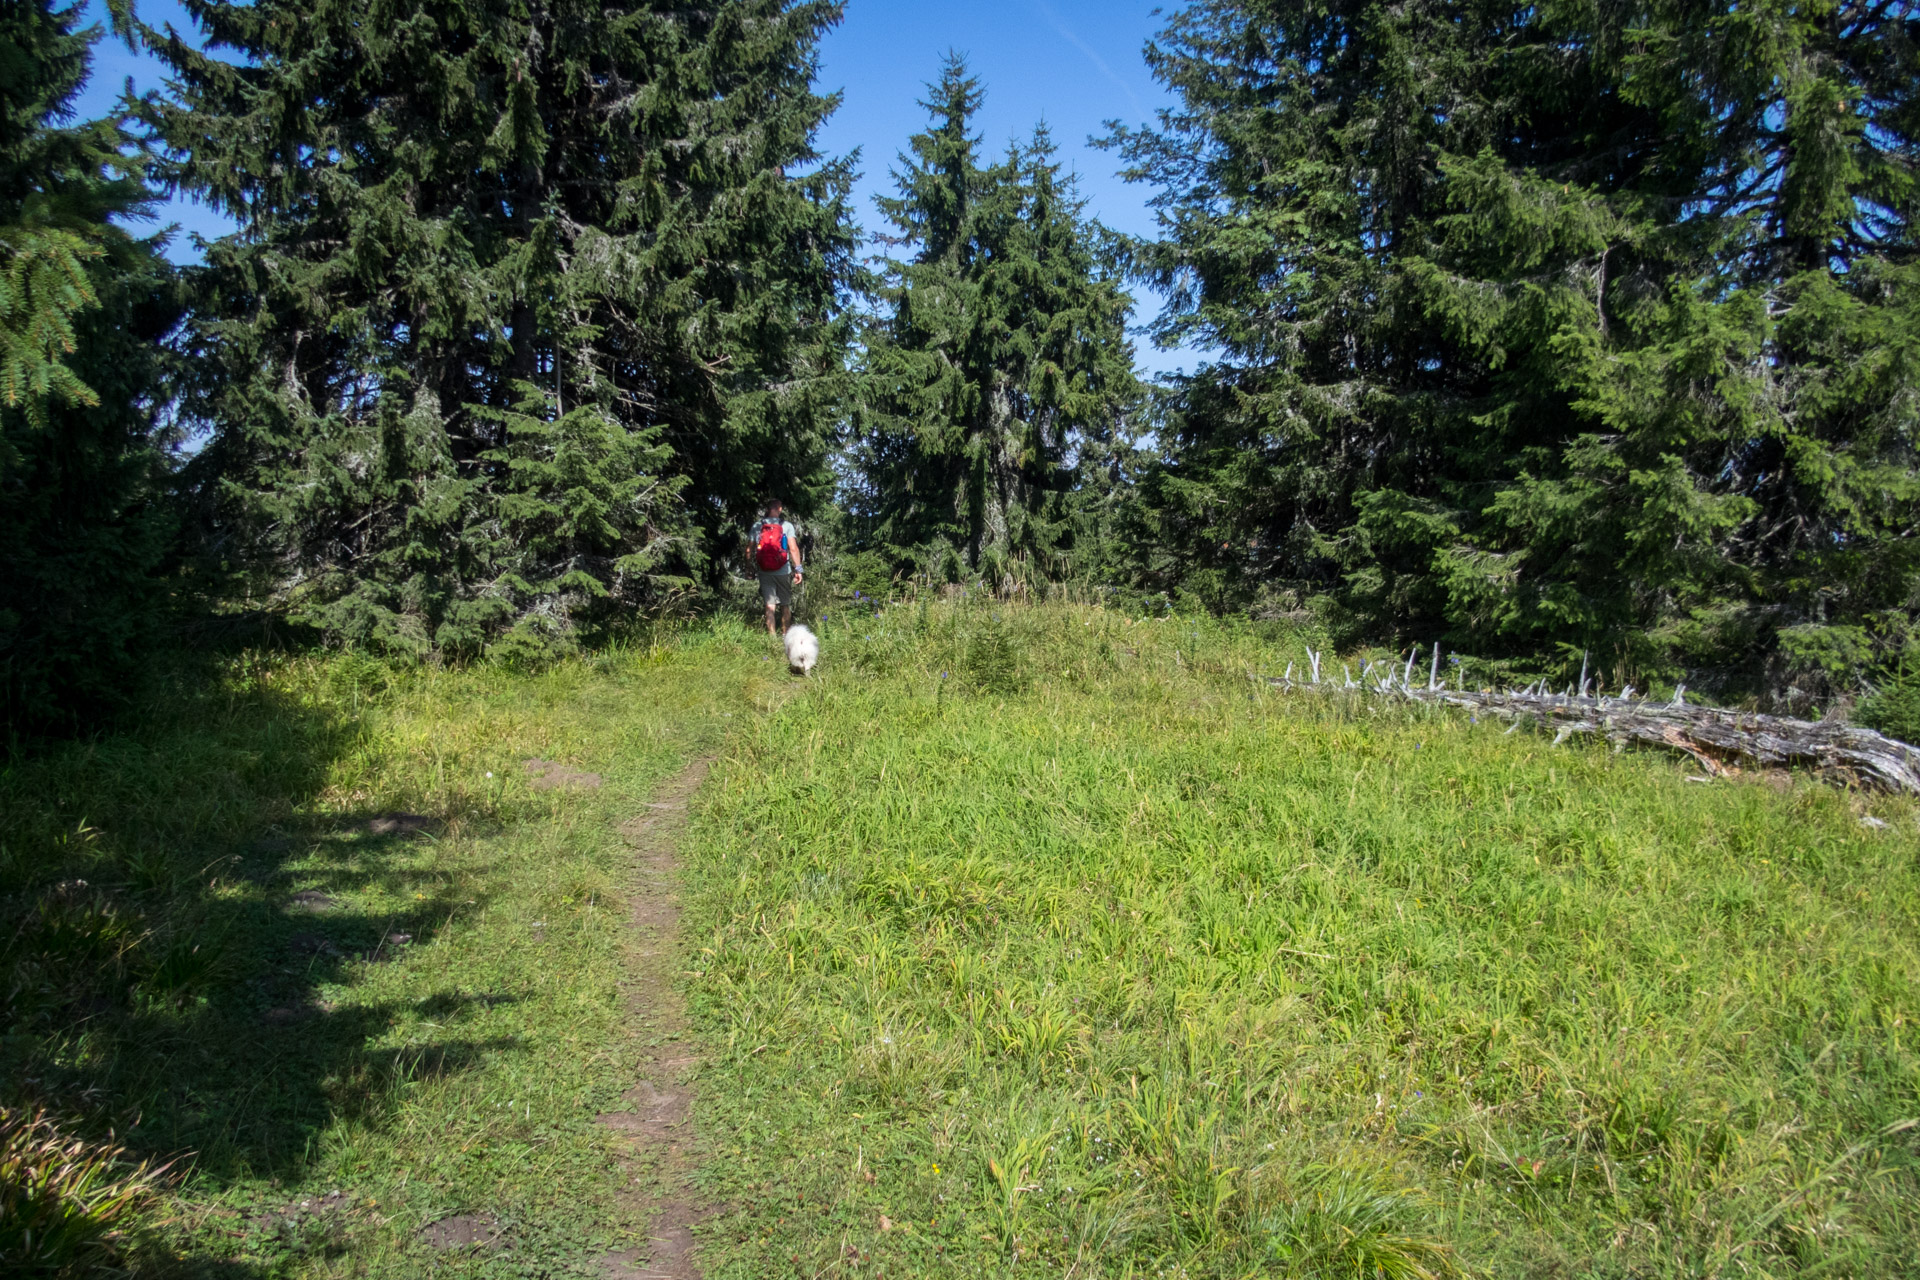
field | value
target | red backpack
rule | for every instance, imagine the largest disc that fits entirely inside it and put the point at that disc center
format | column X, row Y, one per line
column 771, row 554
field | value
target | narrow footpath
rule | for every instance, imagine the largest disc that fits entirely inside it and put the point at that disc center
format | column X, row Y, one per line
column 656, row 1130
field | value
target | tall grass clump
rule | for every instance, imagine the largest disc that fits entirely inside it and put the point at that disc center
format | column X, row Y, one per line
column 64, row 1201
column 1136, row 965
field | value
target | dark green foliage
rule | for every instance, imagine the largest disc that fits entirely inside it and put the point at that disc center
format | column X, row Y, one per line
column 1894, row 706
column 526, row 304
column 1572, row 326
column 83, row 306
column 994, row 660
column 1000, row 373
column 843, row 566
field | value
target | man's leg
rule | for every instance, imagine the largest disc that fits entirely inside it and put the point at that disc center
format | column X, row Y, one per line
column 782, row 596
column 771, row 606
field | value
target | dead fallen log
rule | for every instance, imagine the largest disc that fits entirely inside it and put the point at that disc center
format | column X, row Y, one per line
column 1721, row 741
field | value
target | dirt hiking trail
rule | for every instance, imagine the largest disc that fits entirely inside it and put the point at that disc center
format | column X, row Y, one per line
column 657, row 1131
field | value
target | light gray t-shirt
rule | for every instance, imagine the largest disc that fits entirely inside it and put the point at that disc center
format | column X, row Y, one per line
column 793, row 547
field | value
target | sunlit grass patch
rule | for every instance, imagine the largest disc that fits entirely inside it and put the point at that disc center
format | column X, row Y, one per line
column 313, row 931
column 1164, row 969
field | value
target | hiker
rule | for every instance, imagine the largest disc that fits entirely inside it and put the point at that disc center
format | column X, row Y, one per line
column 773, row 549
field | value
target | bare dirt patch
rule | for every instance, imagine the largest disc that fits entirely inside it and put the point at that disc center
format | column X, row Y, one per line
column 388, row 949
column 657, row 1116
column 549, row 775
column 463, row 1231
column 401, row 824
column 668, row 1254
column 318, row 1223
column 656, row 1126
column 312, row 944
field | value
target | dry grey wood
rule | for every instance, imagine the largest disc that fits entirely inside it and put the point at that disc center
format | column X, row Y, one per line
column 1715, row 737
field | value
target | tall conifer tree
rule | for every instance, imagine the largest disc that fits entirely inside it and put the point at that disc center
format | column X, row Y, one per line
column 1000, row 361
column 527, row 301
column 83, row 306
column 1566, row 325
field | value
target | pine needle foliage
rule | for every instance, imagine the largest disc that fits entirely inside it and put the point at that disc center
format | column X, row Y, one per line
column 45, row 238
column 999, row 368
column 84, row 303
column 526, row 304
column 1589, row 327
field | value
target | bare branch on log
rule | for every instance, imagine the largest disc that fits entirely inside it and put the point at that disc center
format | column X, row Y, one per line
column 1716, row 738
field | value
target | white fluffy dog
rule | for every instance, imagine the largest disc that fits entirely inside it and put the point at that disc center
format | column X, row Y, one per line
column 803, row 650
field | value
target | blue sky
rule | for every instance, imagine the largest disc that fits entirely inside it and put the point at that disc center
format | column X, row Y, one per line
column 1074, row 63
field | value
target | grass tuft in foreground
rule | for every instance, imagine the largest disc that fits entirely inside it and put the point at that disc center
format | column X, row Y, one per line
column 1042, row 939
column 64, row 1201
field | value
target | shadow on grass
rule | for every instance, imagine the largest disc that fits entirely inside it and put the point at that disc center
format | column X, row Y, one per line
column 162, row 968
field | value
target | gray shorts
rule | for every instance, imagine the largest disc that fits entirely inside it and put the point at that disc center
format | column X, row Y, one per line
column 777, row 587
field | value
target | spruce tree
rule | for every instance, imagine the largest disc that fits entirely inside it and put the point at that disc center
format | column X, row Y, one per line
column 1561, row 328
column 526, row 305
column 83, row 306
column 999, row 363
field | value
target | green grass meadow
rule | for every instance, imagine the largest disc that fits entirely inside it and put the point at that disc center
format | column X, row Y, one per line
column 1024, row 941
column 1046, row 941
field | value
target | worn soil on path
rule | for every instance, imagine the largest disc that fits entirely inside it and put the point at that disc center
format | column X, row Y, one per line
column 656, row 1131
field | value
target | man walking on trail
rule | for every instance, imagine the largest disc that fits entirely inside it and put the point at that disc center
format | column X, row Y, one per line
column 773, row 550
